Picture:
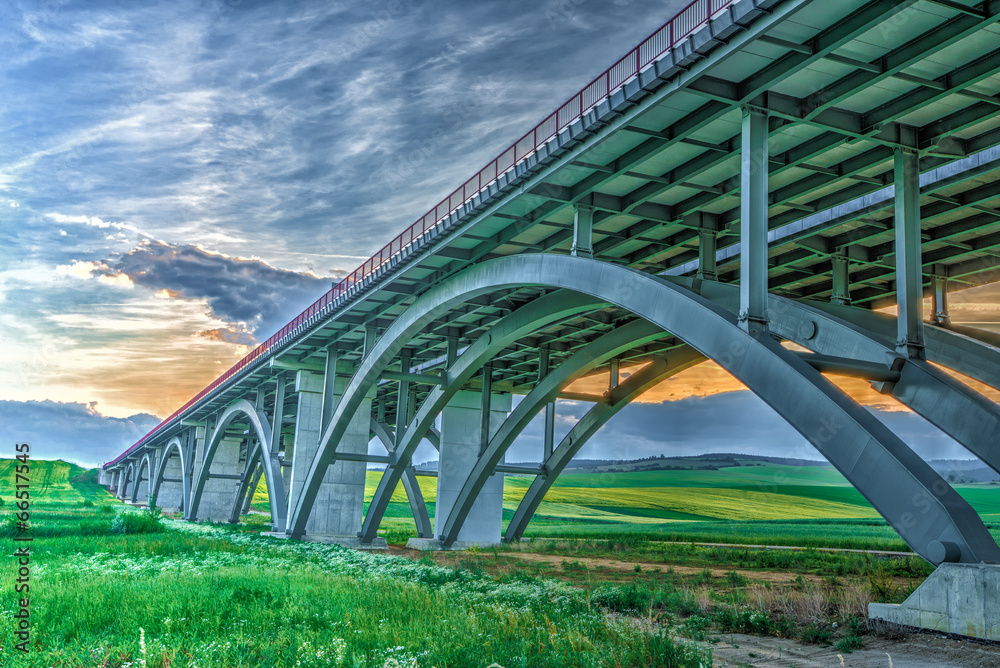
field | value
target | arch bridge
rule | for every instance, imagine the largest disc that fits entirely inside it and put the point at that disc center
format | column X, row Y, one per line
column 757, row 172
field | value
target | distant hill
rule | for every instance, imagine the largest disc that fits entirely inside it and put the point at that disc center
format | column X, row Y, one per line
column 953, row 470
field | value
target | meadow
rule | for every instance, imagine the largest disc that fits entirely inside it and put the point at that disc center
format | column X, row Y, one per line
column 115, row 587
column 610, row 577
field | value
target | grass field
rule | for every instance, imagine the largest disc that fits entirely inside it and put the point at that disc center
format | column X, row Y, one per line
column 120, row 588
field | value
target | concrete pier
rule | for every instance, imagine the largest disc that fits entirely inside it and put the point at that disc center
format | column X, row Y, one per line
column 956, row 598
column 339, row 506
column 461, row 424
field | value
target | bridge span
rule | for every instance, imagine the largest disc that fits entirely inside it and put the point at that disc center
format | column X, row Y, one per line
column 756, row 172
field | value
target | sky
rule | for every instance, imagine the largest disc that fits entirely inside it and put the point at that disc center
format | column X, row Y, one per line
column 179, row 179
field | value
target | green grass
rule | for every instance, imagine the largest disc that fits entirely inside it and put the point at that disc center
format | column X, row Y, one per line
column 195, row 595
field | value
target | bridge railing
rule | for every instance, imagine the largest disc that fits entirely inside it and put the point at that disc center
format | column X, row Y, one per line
column 689, row 19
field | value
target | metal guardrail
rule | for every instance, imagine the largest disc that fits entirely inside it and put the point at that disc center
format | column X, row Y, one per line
column 689, row 19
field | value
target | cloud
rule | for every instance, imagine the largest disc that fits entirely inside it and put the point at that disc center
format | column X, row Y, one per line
column 242, row 338
column 75, row 432
column 248, row 292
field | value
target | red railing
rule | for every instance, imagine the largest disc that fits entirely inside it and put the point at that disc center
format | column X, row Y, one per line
column 683, row 24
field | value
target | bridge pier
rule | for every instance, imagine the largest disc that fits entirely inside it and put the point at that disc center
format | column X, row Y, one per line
column 339, row 507
column 956, row 598
column 461, row 442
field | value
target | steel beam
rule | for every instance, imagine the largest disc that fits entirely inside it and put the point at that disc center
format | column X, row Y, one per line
column 583, row 224
column 753, row 221
column 413, row 492
column 909, row 269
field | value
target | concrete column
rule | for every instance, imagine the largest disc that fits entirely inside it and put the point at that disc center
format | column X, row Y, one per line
column 909, row 269
column 461, row 422
column 753, row 221
column 339, row 505
column 583, row 224
column 219, row 494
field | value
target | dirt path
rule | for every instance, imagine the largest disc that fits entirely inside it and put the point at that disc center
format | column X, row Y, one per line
column 617, row 566
column 916, row 651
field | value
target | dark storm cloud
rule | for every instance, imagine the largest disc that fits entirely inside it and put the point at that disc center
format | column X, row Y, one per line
column 74, row 432
column 238, row 290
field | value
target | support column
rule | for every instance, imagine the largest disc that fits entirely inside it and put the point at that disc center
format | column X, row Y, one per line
column 707, row 249
column 909, row 269
column 339, row 506
column 583, row 224
column 939, row 301
column 461, row 423
column 841, row 280
column 753, row 221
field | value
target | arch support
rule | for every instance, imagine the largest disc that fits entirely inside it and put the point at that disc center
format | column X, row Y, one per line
column 617, row 341
column 649, row 376
column 171, row 487
column 410, row 484
column 928, row 514
column 951, row 406
column 545, row 310
column 225, row 453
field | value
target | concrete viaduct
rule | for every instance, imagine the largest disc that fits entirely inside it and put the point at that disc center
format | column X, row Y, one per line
column 756, row 172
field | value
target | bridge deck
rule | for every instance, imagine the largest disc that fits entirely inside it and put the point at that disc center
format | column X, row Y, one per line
column 844, row 84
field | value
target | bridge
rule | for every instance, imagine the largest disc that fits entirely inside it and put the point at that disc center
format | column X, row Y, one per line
column 754, row 173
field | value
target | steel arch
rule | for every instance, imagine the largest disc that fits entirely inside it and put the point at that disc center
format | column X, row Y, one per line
column 174, row 444
column 971, row 352
column 538, row 314
column 437, row 300
column 657, row 371
column 248, row 482
column 953, row 407
column 413, row 493
column 145, row 464
column 127, row 479
column 605, row 347
column 927, row 513
column 272, row 474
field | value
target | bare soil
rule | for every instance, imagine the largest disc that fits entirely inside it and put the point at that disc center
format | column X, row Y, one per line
column 918, row 650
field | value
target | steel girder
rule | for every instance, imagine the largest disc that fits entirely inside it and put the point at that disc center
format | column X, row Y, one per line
column 951, row 406
column 632, row 387
column 173, row 446
column 413, row 493
column 972, row 352
column 584, row 360
column 927, row 513
column 272, row 472
column 539, row 313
